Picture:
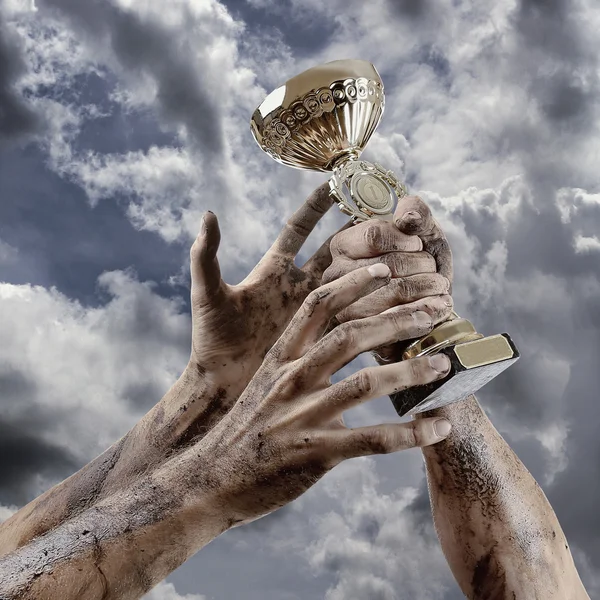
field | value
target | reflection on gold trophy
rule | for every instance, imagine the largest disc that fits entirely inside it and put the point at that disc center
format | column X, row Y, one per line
column 322, row 120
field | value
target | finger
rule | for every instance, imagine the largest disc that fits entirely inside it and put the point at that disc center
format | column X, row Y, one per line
column 401, row 264
column 389, row 437
column 373, row 382
column 372, row 238
column 302, row 222
column 322, row 304
column 321, row 259
column 403, row 290
column 413, row 217
column 350, row 339
column 204, row 266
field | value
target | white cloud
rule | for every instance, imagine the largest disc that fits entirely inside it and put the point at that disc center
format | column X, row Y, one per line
column 367, row 540
column 89, row 364
column 167, row 591
column 586, row 244
column 13, row 8
column 6, row 512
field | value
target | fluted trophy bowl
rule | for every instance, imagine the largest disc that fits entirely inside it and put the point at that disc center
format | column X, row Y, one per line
column 322, row 120
column 322, row 116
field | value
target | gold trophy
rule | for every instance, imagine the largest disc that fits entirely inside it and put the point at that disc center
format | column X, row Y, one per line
column 322, row 120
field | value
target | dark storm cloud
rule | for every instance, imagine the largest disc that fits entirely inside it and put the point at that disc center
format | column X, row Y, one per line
column 433, row 57
column 576, row 492
column 16, row 117
column 146, row 47
column 24, row 454
column 556, row 64
column 411, row 9
column 23, row 458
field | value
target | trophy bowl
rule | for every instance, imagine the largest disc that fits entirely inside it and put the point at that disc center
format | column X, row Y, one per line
column 321, row 117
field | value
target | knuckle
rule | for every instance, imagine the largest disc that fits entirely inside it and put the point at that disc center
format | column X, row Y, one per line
column 401, row 322
column 365, row 382
column 398, row 263
column 421, row 206
column 348, row 314
column 373, row 236
column 417, row 371
column 344, row 335
column 317, row 300
column 378, row 441
column 195, row 250
column 336, row 246
column 405, row 289
column 410, row 436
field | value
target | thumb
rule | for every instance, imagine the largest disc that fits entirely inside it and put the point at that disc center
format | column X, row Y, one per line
column 204, row 266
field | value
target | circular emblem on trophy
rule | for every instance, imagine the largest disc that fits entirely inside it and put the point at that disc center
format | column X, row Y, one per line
column 372, row 193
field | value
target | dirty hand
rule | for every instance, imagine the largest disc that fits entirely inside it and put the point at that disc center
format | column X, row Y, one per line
column 286, row 430
column 415, row 249
column 235, row 325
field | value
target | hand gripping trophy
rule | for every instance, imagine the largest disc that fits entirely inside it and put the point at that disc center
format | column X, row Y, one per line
column 322, row 120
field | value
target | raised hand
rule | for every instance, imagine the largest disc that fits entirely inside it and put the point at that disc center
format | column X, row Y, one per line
column 286, row 431
column 235, row 325
column 233, row 328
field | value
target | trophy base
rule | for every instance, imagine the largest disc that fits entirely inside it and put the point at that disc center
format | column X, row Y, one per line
column 473, row 364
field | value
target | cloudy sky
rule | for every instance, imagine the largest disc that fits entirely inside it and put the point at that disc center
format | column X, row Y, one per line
column 122, row 121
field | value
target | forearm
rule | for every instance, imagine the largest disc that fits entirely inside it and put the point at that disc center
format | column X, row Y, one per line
column 118, row 549
column 498, row 531
column 193, row 405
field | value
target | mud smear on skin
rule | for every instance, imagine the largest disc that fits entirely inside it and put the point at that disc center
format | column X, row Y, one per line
column 215, row 410
column 489, row 579
column 146, row 504
column 84, row 489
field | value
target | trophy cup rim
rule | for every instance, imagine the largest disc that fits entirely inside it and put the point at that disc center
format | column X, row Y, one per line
column 318, row 76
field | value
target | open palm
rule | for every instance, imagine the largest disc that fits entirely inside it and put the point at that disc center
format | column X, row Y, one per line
column 234, row 326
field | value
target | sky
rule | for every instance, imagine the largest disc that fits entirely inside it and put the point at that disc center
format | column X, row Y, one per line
column 122, row 121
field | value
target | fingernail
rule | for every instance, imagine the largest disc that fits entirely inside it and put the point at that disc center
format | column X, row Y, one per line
column 447, row 283
column 203, row 225
column 440, row 362
column 211, row 212
column 411, row 219
column 442, row 427
column 379, row 270
column 448, row 300
column 422, row 319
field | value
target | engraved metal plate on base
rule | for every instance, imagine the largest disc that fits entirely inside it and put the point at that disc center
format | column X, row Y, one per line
column 321, row 120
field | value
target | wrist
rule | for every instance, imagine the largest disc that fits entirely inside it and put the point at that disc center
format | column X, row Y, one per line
column 231, row 373
column 195, row 403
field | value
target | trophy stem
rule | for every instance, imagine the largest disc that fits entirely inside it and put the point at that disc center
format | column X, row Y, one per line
column 344, row 158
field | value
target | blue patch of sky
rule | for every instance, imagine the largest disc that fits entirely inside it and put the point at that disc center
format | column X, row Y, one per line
column 118, row 130
column 62, row 241
column 305, row 34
